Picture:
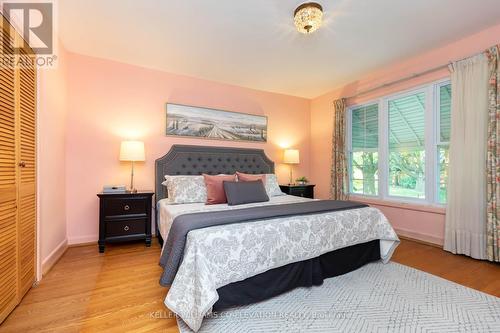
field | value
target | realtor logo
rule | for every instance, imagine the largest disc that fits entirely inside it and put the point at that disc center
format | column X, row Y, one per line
column 35, row 27
column 35, row 22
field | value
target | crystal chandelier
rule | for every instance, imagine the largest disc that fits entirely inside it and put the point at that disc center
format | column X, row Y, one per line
column 307, row 17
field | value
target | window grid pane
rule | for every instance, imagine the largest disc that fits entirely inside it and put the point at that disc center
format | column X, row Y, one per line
column 443, row 163
column 364, row 173
column 444, row 113
column 364, row 156
column 407, row 146
column 444, row 138
column 365, row 127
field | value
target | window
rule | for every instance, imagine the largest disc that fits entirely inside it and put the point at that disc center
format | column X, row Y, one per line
column 364, row 153
column 398, row 145
column 443, row 142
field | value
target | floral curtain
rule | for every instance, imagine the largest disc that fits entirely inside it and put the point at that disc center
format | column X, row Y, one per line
column 339, row 177
column 493, row 157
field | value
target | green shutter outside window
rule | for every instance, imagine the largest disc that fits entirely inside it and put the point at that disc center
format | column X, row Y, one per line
column 365, row 128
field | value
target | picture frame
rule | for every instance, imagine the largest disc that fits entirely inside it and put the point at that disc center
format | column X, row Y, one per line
column 214, row 124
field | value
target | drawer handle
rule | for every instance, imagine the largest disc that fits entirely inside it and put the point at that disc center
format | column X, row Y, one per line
column 126, row 207
column 126, row 228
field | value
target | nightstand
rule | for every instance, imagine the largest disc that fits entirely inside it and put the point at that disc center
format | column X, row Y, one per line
column 124, row 217
column 306, row 191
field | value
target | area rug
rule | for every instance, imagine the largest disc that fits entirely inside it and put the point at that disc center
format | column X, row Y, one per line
column 374, row 298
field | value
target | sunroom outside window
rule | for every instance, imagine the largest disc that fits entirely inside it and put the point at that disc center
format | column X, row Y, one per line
column 407, row 146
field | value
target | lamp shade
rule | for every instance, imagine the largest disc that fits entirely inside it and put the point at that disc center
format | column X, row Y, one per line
column 291, row 156
column 132, row 151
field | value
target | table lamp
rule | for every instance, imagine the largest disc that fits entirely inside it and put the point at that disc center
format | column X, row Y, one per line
column 132, row 151
column 291, row 156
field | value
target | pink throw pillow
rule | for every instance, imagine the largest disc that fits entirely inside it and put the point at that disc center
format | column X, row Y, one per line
column 247, row 177
column 215, row 188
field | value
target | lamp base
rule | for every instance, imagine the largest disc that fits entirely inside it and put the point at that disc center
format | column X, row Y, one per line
column 132, row 188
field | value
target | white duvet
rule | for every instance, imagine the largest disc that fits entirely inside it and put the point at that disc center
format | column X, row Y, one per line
column 168, row 212
column 219, row 255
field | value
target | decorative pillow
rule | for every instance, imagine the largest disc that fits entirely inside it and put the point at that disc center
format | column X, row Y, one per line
column 269, row 179
column 215, row 188
column 247, row 177
column 240, row 192
column 185, row 189
column 272, row 186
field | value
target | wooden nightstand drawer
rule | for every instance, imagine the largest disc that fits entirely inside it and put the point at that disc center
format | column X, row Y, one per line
column 299, row 192
column 122, row 206
column 124, row 217
column 126, row 227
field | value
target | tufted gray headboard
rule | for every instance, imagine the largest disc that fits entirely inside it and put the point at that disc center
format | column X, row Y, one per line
column 195, row 160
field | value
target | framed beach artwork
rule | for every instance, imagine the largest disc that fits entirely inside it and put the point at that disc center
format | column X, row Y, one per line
column 198, row 122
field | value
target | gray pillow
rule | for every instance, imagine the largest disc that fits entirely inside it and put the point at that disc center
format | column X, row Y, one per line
column 239, row 193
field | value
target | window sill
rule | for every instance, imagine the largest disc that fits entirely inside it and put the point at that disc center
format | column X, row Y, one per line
column 402, row 205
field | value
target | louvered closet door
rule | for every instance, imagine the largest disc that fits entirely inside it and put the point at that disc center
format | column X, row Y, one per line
column 27, row 180
column 8, row 189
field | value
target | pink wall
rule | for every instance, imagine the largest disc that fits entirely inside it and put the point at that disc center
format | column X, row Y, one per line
column 426, row 224
column 110, row 101
column 89, row 105
column 52, row 112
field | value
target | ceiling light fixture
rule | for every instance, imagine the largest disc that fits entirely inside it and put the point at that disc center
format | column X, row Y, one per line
column 307, row 17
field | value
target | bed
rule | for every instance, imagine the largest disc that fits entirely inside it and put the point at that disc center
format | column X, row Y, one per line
column 277, row 246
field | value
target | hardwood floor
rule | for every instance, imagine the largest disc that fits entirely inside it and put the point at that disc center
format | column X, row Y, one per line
column 85, row 291
column 118, row 291
column 476, row 274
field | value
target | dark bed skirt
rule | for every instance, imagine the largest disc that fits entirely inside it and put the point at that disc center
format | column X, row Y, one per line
column 305, row 273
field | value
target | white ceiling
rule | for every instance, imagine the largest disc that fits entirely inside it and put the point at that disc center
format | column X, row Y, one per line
column 253, row 43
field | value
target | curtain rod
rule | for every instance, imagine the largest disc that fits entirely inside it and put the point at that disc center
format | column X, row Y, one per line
column 406, row 78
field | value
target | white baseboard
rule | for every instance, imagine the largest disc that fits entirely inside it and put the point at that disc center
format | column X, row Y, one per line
column 419, row 236
column 54, row 256
column 83, row 239
column 86, row 240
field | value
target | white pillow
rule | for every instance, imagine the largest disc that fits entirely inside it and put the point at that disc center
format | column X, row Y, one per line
column 185, row 189
column 272, row 186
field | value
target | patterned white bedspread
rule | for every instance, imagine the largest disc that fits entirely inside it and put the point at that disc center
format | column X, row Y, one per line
column 220, row 255
column 169, row 212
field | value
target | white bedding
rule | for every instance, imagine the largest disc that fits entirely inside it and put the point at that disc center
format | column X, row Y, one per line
column 168, row 212
column 220, row 255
